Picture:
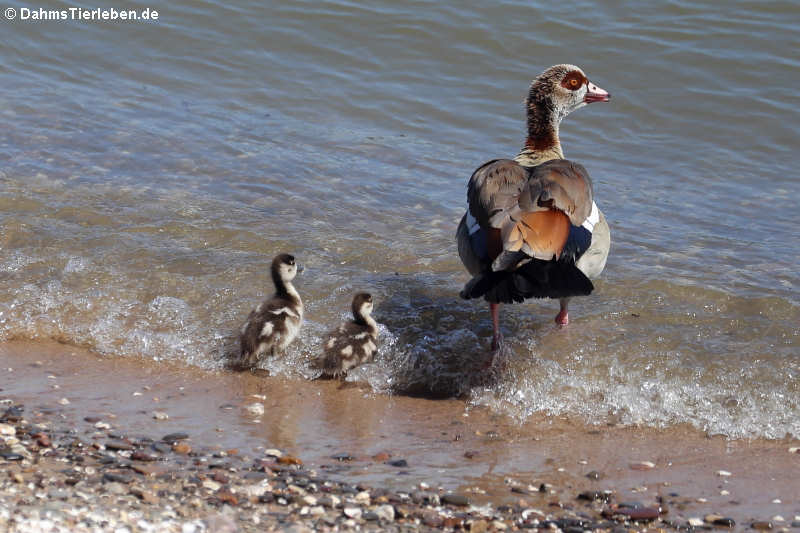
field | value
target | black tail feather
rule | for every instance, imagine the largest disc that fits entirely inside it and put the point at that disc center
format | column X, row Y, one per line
column 535, row 279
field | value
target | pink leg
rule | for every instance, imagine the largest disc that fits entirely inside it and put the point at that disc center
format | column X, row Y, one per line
column 562, row 318
column 497, row 337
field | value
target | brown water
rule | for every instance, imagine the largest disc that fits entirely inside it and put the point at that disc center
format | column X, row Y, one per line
column 150, row 171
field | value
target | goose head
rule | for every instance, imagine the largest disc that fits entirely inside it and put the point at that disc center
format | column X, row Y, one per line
column 284, row 268
column 562, row 89
column 362, row 305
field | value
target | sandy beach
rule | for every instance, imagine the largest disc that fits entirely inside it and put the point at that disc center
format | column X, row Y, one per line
column 85, row 450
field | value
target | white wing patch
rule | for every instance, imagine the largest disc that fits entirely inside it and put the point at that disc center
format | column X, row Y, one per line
column 347, row 351
column 266, row 331
column 285, row 311
column 331, row 342
column 594, row 218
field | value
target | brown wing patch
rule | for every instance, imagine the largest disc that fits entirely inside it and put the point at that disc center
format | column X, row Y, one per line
column 543, row 232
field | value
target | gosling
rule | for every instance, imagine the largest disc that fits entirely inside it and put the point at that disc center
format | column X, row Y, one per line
column 352, row 343
column 274, row 324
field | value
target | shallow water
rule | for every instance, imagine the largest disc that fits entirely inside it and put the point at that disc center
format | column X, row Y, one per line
column 150, row 171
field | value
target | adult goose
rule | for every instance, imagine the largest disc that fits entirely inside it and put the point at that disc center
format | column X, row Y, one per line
column 532, row 228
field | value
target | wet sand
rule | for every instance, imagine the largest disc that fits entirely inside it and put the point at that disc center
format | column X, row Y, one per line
column 488, row 458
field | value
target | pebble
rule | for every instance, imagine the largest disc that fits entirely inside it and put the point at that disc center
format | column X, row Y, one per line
column 254, row 409
column 594, row 475
column 117, row 477
column 594, row 495
column 642, row 465
column 455, row 499
column 385, row 512
column 173, row 437
column 352, row 512
column 723, row 473
column 761, row 525
column 341, row 457
column 696, row 522
column 478, row 526
column 399, row 463
column 273, row 453
column 118, row 444
column 181, row 448
column 63, row 401
column 7, row 430
column 160, row 415
column 794, row 449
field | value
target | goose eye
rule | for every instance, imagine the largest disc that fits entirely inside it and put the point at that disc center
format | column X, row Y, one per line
column 573, row 82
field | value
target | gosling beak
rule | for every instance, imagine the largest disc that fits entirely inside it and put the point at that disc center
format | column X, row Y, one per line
column 595, row 94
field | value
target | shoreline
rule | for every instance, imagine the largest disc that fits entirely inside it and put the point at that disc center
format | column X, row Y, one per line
column 406, row 453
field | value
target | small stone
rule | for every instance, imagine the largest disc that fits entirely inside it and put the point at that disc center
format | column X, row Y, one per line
column 160, row 415
column 642, row 465
column 226, row 496
column 594, row 475
column 181, row 448
column 723, row 473
column 63, row 401
column 330, row 500
column 352, row 512
column 7, row 430
column 211, row 485
column 140, row 455
column 399, row 463
column 118, row 444
column 724, row 522
column 778, row 518
column 254, row 409
column 478, row 526
column 385, row 512
column 102, row 425
column 431, row 518
column 363, row 497
column 642, row 513
column 455, row 499
column 117, row 477
column 724, row 492
column 341, row 457
column 273, row 452
column 499, row 526
column 762, row 525
column 594, row 495
column 309, row 500
column 794, row 449
column 174, row 437
column 696, row 522
column 145, row 495
column 776, row 500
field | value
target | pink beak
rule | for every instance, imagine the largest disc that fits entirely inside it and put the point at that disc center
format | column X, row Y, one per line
column 595, row 94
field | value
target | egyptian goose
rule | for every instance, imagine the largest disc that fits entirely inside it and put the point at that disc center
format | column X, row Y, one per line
column 532, row 228
column 352, row 343
column 274, row 323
